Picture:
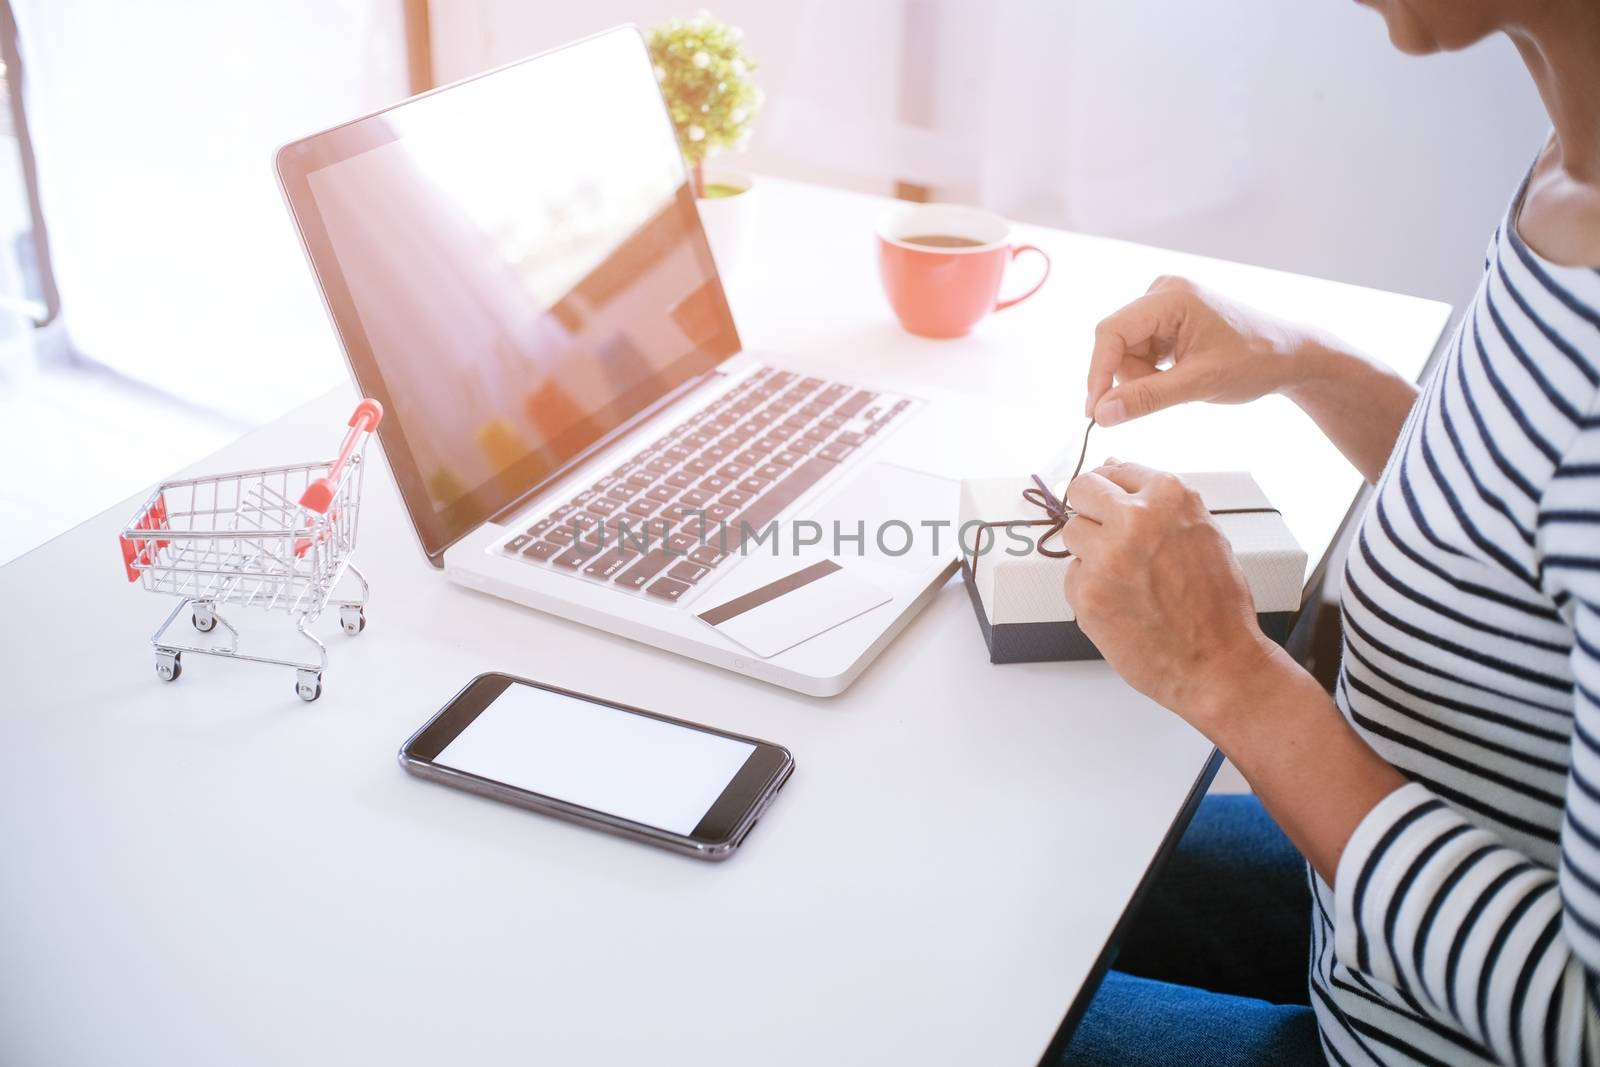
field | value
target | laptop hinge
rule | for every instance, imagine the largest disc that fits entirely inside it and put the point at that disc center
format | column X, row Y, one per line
column 604, row 442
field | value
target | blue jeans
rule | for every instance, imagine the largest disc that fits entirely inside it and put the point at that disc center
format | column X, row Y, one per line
column 1214, row 968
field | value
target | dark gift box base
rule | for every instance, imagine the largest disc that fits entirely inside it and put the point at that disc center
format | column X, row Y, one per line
column 1041, row 642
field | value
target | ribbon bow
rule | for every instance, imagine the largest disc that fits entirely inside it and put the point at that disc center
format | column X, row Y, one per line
column 1040, row 496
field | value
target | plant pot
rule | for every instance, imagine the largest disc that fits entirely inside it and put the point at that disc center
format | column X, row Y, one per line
column 725, row 214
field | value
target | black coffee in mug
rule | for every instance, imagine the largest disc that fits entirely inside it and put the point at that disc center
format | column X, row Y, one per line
column 942, row 240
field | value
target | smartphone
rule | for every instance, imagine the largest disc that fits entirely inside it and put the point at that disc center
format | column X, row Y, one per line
column 676, row 784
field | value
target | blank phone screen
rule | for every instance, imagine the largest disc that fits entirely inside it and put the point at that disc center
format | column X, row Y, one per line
column 652, row 772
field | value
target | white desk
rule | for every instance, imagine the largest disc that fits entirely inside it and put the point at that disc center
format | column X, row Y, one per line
column 212, row 871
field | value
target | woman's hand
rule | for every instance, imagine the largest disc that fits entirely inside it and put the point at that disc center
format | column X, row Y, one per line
column 1214, row 350
column 1156, row 587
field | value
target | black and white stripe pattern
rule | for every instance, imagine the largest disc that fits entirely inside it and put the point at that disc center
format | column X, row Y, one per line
column 1465, row 926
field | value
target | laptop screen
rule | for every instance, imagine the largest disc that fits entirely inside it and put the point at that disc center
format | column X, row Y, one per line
column 516, row 268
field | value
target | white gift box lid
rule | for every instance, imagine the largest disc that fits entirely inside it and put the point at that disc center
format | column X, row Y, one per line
column 1015, row 586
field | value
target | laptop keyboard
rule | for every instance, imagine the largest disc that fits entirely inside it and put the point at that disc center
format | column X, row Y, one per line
column 676, row 510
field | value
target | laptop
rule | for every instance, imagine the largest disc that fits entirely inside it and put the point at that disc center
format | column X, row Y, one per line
column 516, row 269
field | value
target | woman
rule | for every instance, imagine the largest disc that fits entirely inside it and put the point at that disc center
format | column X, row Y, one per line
column 1447, row 798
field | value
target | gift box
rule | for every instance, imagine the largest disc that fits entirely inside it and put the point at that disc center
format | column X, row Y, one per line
column 1014, row 566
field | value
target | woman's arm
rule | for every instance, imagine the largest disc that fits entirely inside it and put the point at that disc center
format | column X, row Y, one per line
column 1426, row 901
column 1227, row 353
column 1360, row 405
column 1156, row 587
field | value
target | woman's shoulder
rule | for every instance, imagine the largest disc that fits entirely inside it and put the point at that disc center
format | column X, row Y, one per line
column 1557, row 213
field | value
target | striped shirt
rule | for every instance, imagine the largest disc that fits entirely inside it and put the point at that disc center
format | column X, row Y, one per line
column 1465, row 923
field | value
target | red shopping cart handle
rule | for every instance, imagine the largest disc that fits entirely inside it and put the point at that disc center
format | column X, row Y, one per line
column 319, row 494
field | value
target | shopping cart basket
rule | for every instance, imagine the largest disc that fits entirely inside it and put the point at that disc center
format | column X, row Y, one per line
column 277, row 539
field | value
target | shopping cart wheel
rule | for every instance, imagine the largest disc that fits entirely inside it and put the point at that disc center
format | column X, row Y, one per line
column 308, row 685
column 353, row 619
column 203, row 618
column 169, row 665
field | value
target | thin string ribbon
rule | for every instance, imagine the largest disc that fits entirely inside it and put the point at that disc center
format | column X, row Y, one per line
column 1042, row 498
column 1058, row 512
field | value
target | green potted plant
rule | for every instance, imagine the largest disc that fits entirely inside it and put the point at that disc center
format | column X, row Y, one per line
column 706, row 79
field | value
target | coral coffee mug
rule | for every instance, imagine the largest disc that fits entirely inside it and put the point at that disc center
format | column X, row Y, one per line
column 942, row 264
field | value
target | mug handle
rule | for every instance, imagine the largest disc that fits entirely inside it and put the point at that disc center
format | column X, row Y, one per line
column 1015, row 252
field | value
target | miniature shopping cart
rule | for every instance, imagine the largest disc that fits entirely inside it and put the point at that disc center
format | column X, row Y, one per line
column 277, row 539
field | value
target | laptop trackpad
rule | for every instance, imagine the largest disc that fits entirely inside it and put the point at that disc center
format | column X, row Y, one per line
column 796, row 607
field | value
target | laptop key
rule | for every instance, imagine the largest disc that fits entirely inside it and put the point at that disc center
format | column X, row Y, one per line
column 695, row 498
column 542, row 550
column 721, row 512
column 731, row 471
column 602, row 506
column 786, row 458
column 640, row 537
column 680, row 479
column 519, row 542
column 697, row 466
column 559, row 535
column 748, row 458
column 680, row 544
column 678, row 512
column 784, row 492
column 769, row 471
column 662, row 493
column 685, row 571
column 608, row 563
column 715, row 483
column 708, row 555
column 737, row 497
column 643, row 507
column 668, row 589
column 850, row 438
column 646, row 568
column 834, row 451
column 573, row 558
column 753, row 485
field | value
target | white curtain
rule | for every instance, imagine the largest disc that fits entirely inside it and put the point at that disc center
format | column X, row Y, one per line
column 1289, row 135
column 154, row 126
column 1050, row 110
